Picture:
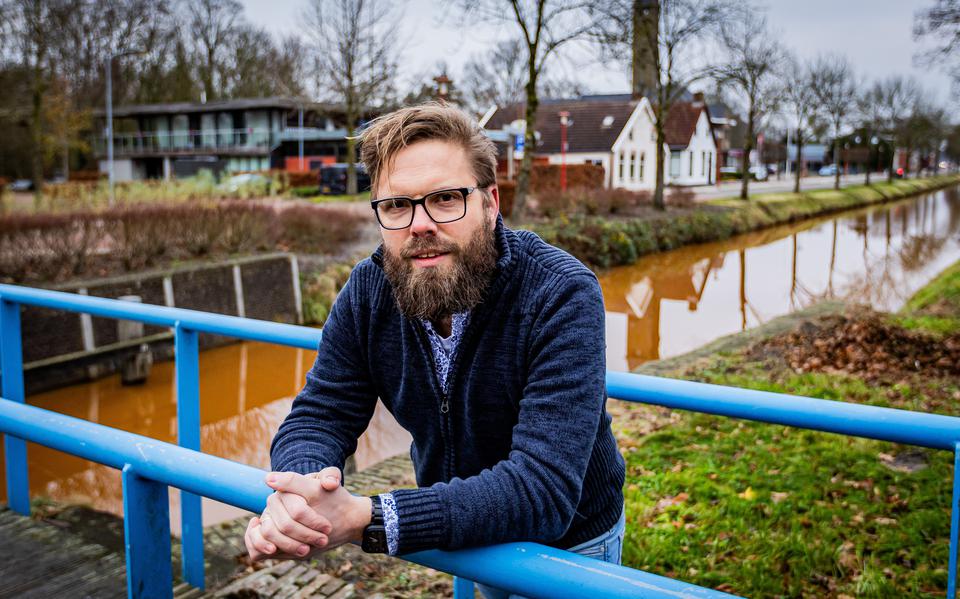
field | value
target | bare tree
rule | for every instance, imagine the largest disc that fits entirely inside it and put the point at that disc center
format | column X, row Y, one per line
column 545, row 26
column 801, row 103
column 497, row 78
column 939, row 23
column 751, row 69
column 681, row 28
column 899, row 97
column 211, row 24
column 833, row 82
column 356, row 52
column 872, row 111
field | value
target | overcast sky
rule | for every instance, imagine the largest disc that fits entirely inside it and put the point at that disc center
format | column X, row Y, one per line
column 876, row 35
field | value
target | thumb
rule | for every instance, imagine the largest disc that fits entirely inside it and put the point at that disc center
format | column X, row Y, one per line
column 329, row 478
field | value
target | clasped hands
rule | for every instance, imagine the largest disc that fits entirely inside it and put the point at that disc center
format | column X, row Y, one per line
column 306, row 515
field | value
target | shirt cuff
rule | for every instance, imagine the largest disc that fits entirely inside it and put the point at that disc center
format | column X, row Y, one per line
column 390, row 522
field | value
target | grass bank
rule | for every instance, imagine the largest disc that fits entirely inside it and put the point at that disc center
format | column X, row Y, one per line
column 606, row 241
column 762, row 510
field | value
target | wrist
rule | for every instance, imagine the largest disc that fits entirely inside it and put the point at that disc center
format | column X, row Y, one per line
column 361, row 510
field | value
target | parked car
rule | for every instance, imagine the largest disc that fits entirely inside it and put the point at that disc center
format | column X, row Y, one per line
column 828, row 170
column 21, row 185
column 759, row 172
column 333, row 178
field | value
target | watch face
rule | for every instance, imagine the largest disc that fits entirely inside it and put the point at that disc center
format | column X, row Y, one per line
column 374, row 539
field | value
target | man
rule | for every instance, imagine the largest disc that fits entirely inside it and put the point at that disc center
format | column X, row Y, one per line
column 485, row 343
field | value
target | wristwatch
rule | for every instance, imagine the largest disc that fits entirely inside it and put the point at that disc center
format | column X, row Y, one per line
column 375, row 534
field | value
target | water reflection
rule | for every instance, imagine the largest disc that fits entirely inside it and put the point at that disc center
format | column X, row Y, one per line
column 670, row 303
column 245, row 392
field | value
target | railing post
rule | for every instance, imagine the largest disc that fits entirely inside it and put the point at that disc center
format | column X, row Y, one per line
column 146, row 536
column 188, row 435
column 954, row 525
column 11, row 369
column 462, row 588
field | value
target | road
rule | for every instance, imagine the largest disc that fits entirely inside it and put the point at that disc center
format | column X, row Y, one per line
column 731, row 189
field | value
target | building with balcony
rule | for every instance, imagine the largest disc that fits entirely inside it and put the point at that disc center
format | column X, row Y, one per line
column 154, row 141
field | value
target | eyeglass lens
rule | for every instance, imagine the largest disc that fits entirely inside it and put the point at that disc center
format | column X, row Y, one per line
column 442, row 207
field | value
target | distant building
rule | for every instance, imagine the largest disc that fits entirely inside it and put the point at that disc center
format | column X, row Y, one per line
column 153, row 141
column 617, row 132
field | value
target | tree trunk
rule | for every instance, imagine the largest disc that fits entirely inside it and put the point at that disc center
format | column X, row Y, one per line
column 36, row 131
column 796, row 180
column 529, row 145
column 836, row 162
column 658, row 201
column 351, row 145
column 747, row 146
column 893, row 154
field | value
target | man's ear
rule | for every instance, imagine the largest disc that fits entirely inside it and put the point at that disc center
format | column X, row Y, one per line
column 494, row 203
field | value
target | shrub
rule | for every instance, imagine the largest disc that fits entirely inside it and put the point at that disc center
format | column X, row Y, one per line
column 320, row 290
column 546, row 177
column 317, row 229
column 305, row 191
column 681, row 197
column 591, row 202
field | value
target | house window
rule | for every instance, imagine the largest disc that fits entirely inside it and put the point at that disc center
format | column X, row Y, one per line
column 633, row 165
column 690, row 166
column 643, row 160
column 703, row 163
column 621, row 159
column 674, row 164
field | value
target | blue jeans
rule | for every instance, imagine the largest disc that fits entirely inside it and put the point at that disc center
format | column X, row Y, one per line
column 608, row 547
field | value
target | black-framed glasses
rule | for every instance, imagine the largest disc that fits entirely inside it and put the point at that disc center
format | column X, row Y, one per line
column 443, row 206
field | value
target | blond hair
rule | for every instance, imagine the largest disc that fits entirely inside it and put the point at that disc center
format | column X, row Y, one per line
column 386, row 135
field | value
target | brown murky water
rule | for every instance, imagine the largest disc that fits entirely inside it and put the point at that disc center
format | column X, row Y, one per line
column 664, row 305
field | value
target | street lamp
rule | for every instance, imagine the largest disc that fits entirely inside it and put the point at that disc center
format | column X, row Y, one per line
column 109, row 63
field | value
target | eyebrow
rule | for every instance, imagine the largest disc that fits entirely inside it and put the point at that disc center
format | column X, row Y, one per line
column 405, row 195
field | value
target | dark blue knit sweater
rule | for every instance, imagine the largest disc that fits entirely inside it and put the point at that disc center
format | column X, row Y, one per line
column 521, row 448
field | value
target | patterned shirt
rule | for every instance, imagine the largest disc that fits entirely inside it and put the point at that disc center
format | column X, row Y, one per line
column 444, row 349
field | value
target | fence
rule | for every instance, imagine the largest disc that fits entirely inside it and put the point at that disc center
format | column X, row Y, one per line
column 149, row 466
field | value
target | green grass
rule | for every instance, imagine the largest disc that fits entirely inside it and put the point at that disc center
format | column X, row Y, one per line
column 363, row 196
column 936, row 307
column 604, row 242
column 763, row 510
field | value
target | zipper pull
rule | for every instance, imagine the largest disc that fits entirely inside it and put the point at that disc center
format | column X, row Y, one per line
column 444, row 406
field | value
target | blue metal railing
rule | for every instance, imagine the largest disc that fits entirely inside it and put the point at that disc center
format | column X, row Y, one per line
column 531, row 569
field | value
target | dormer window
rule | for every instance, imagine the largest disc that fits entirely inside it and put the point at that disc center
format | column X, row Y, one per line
column 608, row 121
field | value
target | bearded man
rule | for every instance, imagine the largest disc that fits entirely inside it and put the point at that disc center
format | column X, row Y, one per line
column 485, row 343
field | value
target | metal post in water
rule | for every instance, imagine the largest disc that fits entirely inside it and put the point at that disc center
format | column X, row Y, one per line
column 11, row 367
column 146, row 536
column 188, row 435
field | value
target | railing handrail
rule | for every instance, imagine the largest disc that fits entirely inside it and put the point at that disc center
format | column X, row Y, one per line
column 936, row 431
column 166, row 316
column 529, row 568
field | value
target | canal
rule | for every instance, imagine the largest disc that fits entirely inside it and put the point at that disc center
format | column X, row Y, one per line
column 664, row 305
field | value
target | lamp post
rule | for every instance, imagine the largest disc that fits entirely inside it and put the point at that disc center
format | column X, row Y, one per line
column 109, row 64
column 564, row 121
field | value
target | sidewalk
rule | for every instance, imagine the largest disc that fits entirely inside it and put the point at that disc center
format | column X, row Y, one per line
column 731, row 189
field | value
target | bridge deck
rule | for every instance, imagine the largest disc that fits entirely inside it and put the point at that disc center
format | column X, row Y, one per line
column 41, row 558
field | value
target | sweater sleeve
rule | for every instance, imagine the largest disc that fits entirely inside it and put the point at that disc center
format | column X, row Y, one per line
column 336, row 403
column 533, row 494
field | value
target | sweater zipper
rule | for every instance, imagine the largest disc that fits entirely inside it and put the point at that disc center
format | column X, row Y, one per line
column 444, row 405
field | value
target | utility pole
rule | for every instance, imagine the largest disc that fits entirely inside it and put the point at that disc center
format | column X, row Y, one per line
column 564, row 121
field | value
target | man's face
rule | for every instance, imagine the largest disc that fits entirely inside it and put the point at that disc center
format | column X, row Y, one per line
column 436, row 269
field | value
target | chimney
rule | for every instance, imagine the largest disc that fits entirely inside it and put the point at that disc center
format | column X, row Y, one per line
column 698, row 99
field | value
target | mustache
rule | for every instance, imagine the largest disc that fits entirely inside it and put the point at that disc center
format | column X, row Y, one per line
column 418, row 245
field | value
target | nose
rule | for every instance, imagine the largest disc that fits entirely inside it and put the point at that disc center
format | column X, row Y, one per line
column 422, row 223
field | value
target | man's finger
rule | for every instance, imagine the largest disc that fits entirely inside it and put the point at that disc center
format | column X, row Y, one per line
column 300, row 511
column 258, row 547
column 292, row 527
column 329, row 478
column 291, row 482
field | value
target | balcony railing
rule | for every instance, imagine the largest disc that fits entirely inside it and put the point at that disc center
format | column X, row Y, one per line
column 172, row 142
column 149, row 466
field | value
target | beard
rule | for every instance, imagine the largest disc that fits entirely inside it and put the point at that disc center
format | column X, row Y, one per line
column 433, row 293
